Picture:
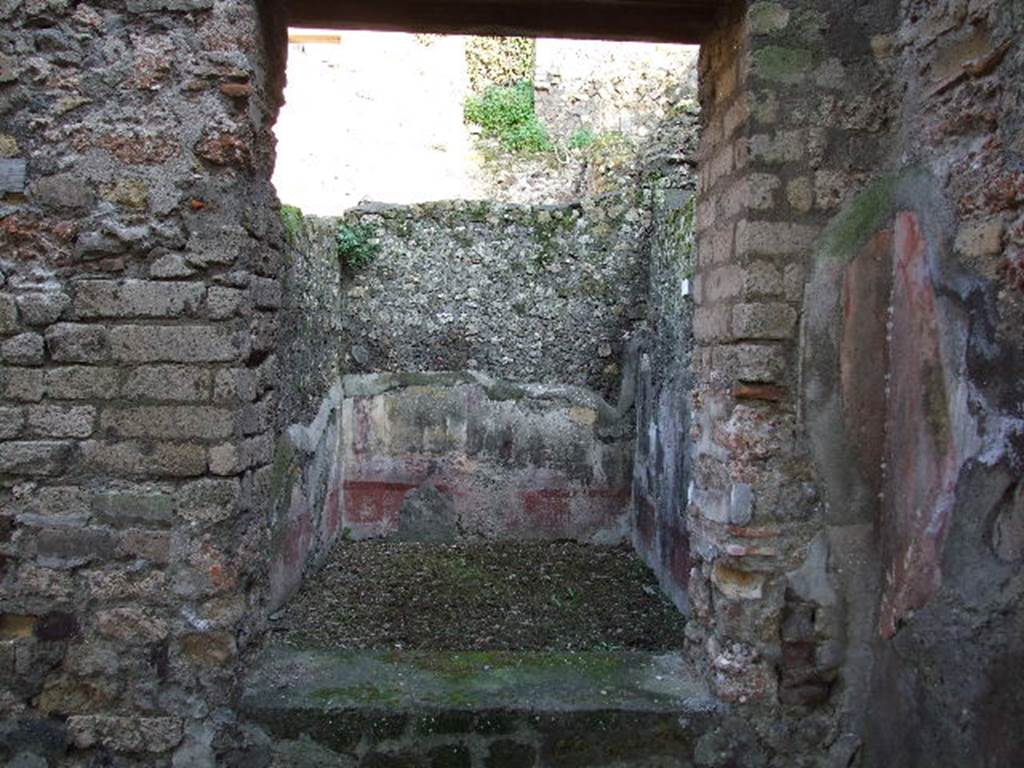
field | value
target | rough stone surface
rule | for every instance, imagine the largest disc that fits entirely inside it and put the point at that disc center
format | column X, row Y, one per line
column 115, row 547
column 522, row 293
column 643, row 709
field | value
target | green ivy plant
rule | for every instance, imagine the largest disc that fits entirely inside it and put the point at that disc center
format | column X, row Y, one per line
column 356, row 246
column 506, row 113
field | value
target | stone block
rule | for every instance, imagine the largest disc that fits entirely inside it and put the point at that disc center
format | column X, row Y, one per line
column 125, row 734
column 43, row 307
column 56, row 626
column 23, row 349
column 128, row 193
column 234, row 384
column 75, row 546
column 723, row 283
column 800, row 194
column 76, row 343
column 169, row 421
column 66, row 694
column 62, row 190
column 711, row 324
column 208, row 501
column 168, row 382
column 734, row 584
column 55, row 501
column 717, row 246
column 761, row 278
column 8, row 314
column 831, row 188
column 763, row 321
column 793, row 282
column 225, row 460
column 266, row 292
column 127, row 583
column 767, row 18
column 779, row 64
column 211, row 649
column 131, row 624
column 771, row 238
column 136, row 298
column 751, row 362
column 762, row 190
column 170, row 266
column 151, row 545
column 175, row 344
column 81, row 382
column 11, row 422
column 35, row 458
column 145, row 507
column 61, row 420
column 144, row 459
column 223, row 303
column 51, row 583
column 776, row 148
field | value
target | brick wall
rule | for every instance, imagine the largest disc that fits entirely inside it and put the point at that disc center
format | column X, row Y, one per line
column 138, row 305
column 789, row 131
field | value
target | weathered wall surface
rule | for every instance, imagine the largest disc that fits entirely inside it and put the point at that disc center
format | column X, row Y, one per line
column 793, row 119
column 663, row 378
column 138, row 304
column 604, row 87
column 914, row 392
column 446, row 456
column 540, row 294
column 304, row 489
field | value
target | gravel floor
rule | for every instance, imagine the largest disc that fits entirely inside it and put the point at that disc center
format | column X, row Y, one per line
column 544, row 596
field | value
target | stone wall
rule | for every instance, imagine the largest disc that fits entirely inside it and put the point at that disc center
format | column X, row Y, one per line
column 611, row 87
column 796, row 114
column 138, row 304
column 663, row 385
column 547, row 294
column 304, row 489
column 916, row 425
column 663, row 381
column 448, row 456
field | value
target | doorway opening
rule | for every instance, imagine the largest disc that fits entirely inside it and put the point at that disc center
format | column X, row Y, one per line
column 488, row 310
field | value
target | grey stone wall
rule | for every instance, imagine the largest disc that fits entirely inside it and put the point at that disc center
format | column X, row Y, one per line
column 138, row 302
column 547, row 294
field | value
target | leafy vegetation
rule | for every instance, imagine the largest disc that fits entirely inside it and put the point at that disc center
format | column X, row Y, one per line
column 507, row 113
column 356, row 246
column 582, row 139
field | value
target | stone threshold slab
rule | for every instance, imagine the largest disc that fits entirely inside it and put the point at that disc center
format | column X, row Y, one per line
column 329, row 680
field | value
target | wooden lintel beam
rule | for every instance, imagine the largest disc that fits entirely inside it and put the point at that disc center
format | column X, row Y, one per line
column 679, row 22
